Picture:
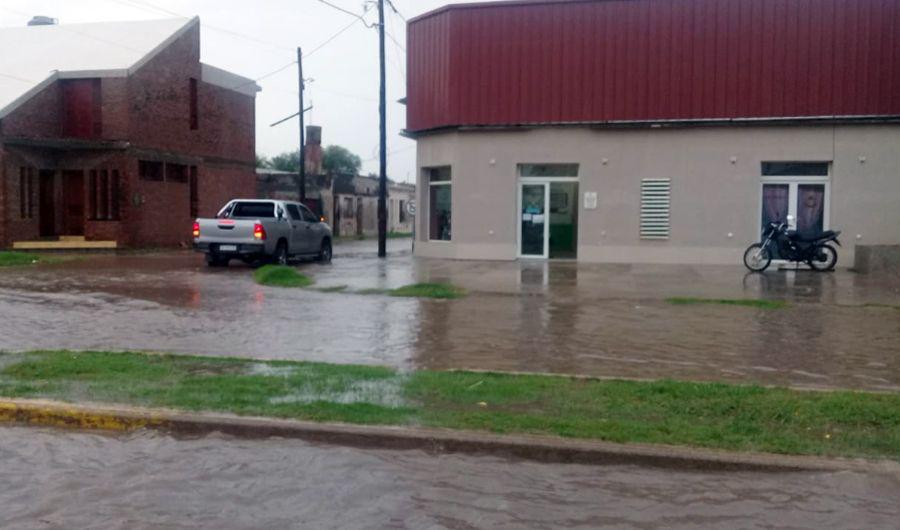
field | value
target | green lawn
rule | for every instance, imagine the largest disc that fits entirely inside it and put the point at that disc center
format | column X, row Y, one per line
column 748, row 302
column 743, row 418
column 16, row 259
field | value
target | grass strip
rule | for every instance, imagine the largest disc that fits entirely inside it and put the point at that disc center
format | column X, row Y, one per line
column 18, row 259
column 733, row 417
column 281, row 276
column 747, row 302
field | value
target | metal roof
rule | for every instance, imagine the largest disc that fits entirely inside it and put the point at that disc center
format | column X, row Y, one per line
column 39, row 55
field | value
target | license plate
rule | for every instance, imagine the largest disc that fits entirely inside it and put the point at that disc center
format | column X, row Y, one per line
column 227, row 248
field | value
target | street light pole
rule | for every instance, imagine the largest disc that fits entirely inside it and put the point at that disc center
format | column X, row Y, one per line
column 302, row 168
column 382, row 178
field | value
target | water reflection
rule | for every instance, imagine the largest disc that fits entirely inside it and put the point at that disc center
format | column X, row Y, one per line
column 606, row 320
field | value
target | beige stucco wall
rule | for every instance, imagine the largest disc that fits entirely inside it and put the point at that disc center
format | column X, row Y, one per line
column 716, row 187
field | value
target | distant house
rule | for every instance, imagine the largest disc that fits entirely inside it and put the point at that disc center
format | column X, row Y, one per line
column 348, row 202
column 117, row 133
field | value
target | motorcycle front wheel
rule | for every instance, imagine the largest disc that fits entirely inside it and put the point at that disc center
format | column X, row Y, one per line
column 825, row 258
column 757, row 258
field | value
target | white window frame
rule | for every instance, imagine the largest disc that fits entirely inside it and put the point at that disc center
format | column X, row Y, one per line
column 532, row 181
column 793, row 183
column 448, row 182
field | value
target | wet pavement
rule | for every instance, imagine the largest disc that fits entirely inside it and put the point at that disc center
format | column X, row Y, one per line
column 53, row 479
column 562, row 317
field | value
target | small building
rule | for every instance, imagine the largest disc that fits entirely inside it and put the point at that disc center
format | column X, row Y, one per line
column 348, row 202
column 117, row 134
column 660, row 131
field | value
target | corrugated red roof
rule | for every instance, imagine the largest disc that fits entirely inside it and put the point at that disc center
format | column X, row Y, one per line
column 594, row 61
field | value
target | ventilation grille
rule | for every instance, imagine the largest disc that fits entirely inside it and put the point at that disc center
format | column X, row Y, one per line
column 655, row 203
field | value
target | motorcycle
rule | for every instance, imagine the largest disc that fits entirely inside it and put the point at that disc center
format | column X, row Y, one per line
column 791, row 246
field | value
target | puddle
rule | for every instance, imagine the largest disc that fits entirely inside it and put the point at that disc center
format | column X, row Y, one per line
column 552, row 317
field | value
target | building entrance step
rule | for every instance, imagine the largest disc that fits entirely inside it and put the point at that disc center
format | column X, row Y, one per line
column 78, row 243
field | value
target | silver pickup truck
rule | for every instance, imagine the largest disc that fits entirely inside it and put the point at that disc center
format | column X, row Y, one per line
column 253, row 230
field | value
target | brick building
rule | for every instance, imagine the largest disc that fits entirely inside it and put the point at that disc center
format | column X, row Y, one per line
column 116, row 132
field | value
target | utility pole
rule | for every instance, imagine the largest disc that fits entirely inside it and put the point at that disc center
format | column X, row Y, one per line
column 302, row 167
column 382, row 179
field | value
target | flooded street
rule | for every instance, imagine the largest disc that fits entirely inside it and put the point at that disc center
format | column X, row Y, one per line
column 563, row 317
column 54, row 479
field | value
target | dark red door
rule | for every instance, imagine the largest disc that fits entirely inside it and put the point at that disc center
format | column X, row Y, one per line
column 47, row 203
column 73, row 201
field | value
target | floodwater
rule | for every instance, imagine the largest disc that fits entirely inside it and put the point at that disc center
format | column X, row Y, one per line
column 52, row 479
column 562, row 317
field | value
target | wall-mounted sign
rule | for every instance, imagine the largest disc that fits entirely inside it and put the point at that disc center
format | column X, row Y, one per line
column 411, row 207
column 590, row 200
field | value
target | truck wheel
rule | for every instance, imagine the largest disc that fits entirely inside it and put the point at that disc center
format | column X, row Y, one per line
column 325, row 251
column 216, row 261
column 280, row 257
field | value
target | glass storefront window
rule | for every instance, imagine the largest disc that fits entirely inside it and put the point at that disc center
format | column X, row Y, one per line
column 439, row 203
column 548, row 170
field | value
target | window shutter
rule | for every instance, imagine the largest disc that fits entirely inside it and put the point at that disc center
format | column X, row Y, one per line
column 655, row 203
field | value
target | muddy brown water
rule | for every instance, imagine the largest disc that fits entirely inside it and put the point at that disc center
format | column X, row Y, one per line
column 563, row 317
column 55, row 479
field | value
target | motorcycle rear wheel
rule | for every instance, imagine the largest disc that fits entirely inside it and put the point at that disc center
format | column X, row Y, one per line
column 825, row 258
column 757, row 258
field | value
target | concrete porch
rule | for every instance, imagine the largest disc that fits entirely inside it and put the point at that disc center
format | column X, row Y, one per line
column 64, row 243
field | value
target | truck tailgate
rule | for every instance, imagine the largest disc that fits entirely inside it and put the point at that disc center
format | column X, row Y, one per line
column 228, row 231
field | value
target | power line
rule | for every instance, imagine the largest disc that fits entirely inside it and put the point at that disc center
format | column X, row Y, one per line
column 396, row 42
column 151, row 8
column 351, row 13
column 305, row 55
column 395, row 151
column 76, row 32
column 394, row 9
column 264, row 76
column 16, row 78
column 329, row 39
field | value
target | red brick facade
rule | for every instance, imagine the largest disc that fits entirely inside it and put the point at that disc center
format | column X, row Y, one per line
column 146, row 116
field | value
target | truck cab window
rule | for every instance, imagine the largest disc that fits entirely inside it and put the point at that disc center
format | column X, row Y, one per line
column 294, row 212
column 308, row 216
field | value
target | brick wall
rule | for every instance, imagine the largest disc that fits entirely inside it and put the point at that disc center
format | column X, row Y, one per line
column 39, row 117
column 150, row 110
column 219, row 183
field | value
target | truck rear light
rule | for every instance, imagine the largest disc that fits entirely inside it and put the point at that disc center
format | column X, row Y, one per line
column 259, row 232
column 196, row 229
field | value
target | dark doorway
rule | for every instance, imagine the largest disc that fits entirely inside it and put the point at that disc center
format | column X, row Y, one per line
column 73, row 201
column 47, row 204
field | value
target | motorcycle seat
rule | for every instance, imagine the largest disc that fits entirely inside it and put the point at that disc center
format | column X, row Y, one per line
column 793, row 234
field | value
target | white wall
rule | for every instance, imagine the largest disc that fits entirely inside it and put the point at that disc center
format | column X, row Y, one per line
column 712, row 196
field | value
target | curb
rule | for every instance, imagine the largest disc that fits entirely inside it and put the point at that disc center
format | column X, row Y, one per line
column 546, row 449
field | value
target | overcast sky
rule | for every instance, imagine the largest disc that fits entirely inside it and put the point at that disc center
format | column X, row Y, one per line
column 254, row 38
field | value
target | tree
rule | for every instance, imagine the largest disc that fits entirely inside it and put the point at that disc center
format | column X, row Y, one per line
column 287, row 161
column 262, row 161
column 337, row 159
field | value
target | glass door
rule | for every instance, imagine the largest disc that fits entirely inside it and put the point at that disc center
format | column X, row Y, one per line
column 802, row 198
column 533, row 221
